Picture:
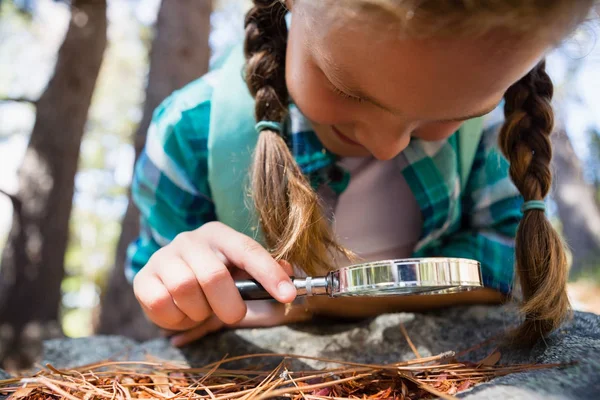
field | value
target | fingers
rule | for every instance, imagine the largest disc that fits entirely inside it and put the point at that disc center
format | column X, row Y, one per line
column 189, row 281
column 247, row 254
column 157, row 303
column 183, row 287
column 216, row 282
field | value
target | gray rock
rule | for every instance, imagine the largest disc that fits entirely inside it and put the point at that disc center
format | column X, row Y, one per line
column 579, row 341
column 380, row 340
column 69, row 353
column 4, row 375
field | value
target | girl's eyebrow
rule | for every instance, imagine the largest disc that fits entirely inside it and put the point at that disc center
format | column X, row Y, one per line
column 484, row 111
column 333, row 73
column 360, row 94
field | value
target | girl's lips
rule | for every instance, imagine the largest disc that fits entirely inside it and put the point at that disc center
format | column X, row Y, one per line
column 343, row 137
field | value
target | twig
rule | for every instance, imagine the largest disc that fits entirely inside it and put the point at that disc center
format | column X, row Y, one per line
column 18, row 100
column 477, row 346
column 424, row 360
column 312, row 387
column 289, row 375
column 265, row 381
column 410, row 343
column 57, row 389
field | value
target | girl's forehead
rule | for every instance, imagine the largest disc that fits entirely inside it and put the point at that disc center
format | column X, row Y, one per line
column 550, row 18
column 453, row 75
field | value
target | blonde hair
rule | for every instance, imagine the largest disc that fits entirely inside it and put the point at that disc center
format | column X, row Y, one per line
column 418, row 18
column 289, row 211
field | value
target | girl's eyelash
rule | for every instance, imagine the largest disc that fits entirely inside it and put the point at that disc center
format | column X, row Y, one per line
column 346, row 95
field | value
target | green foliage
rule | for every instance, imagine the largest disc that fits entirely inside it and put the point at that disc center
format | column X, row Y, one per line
column 590, row 271
column 10, row 13
column 77, row 322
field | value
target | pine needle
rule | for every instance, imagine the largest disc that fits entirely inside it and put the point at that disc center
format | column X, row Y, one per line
column 440, row 376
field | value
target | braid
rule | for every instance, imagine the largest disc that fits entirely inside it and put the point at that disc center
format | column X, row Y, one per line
column 288, row 208
column 265, row 48
column 540, row 257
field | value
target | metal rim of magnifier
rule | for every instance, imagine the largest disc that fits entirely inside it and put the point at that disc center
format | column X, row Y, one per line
column 411, row 276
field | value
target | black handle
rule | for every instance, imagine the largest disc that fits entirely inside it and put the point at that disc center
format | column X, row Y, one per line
column 252, row 290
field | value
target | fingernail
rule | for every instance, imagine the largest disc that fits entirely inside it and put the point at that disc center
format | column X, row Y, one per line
column 286, row 289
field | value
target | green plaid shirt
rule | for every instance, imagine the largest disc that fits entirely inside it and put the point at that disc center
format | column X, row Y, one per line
column 171, row 188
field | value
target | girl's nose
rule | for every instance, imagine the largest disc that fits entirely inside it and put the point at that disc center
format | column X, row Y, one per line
column 385, row 143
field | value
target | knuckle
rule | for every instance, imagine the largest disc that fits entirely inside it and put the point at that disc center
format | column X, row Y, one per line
column 240, row 315
column 158, row 260
column 200, row 315
column 211, row 228
column 138, row 282
column 173, row 321
column 157, row 304
column 164, row 316
column 214, row 276
column 251, row 246
column 183, row 287
column 211, row 225
column 154, row 260
column 234, row 315
column 184, row 239
column 207, row 232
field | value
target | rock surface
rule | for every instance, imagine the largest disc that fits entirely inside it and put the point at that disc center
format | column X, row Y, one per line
column 380, row 340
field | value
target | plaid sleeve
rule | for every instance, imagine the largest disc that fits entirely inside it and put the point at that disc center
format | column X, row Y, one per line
column 491, row 207
column 170, row 185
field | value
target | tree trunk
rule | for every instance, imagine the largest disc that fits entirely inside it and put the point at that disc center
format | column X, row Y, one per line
column 180, row 53
column 33, row 259
column 576, row 201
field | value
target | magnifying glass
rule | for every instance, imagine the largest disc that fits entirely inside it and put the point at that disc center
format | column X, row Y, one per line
column 412, row 276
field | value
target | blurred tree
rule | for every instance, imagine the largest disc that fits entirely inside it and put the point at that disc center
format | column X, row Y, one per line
column 577, row 206
column 32, row 264
column 593, row 165
column 180, row 53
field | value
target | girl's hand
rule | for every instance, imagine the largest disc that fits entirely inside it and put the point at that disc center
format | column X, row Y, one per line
column 190, row 280
column 260, row 314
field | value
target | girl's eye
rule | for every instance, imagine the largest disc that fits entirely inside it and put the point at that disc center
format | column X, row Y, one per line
column 346, row 95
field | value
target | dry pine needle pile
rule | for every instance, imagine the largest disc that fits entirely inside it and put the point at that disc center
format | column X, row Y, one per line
column 439, row 376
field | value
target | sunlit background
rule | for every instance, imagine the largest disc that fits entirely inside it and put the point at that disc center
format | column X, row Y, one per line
column 31, row 32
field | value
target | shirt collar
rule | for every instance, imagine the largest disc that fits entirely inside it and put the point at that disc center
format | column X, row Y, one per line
column 315, row 161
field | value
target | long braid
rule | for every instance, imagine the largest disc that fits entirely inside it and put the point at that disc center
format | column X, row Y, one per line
column 288, row 208
column 540, row 257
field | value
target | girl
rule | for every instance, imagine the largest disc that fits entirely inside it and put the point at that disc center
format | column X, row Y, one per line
column 361, row 108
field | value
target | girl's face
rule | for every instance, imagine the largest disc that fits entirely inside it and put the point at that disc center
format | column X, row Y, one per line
column 368, row 92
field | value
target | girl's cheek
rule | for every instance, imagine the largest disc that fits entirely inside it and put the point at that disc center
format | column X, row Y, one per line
column 318, row 105
column 436, row 130
column 315, row 100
